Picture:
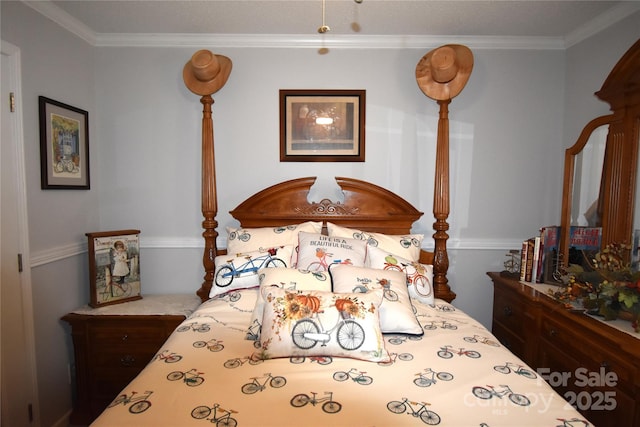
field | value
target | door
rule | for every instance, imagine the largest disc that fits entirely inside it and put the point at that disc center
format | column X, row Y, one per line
column 17, row 355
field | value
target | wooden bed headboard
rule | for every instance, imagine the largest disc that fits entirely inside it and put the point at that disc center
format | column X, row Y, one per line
column 366, row 206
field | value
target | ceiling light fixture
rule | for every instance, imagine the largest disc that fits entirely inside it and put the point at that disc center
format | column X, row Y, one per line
column 324, row 28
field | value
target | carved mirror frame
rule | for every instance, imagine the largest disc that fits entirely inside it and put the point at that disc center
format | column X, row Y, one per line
column 616, row 203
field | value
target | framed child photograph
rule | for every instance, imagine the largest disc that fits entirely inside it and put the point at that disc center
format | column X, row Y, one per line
column 114, row 267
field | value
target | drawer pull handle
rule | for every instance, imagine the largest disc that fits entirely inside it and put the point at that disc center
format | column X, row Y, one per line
column 507, row 311
column 125, row 337
column 127, row 360
column 553, row 332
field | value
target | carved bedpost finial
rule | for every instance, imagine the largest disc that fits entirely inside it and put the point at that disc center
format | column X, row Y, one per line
column 441, row 75
column 204, row 74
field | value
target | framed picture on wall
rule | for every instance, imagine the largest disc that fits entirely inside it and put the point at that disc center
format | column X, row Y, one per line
column 64, row 146
column 322, row 125
column 114, row 267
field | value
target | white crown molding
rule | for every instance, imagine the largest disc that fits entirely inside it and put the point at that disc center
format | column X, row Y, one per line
column 311, row 41
column 62, row 18
column 601, row 22
column 315, row 41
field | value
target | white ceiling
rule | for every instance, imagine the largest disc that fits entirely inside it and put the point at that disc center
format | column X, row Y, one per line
column 563, row 20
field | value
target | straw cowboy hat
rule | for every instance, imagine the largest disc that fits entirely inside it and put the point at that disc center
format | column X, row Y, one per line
column 443, row 72
column 206, row 73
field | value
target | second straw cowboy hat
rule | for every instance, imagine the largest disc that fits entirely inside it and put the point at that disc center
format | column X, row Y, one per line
column 443, row 72
column 205, row 73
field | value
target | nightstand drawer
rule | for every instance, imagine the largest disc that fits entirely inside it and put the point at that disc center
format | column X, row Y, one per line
column 107, row 383
column 128, row 344
column 125, row 344
column 113, row 344
column 123, row 358
column 125, row 333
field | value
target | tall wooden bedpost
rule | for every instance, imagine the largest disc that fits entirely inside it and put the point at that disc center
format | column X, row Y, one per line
column 441, row 75
column 441, row 201
column 209, row 195
column 204, row 74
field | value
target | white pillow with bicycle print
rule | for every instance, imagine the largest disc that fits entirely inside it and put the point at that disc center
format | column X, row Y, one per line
column 396, row 311
column 240, row 271
column 243, row 240
column 406, row 245
column 286, row 278
column 419, row 276
column 316, row 252
column 317, row 323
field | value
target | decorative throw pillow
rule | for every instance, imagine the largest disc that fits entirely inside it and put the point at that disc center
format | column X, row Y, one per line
column 419, row 276
column 406, row 245
column 316, row 252
column 290, row 279
column 241, row 270
column 396, row 311
column 242, row 240
column 316, row 323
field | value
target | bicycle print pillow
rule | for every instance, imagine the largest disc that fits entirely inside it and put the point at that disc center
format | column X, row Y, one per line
column 242, row 240
column 240, row 271
column 286, row 278
column 405, row 245
column 396, row 311
column 419, row 276
column 316, row 252
column 317, row 323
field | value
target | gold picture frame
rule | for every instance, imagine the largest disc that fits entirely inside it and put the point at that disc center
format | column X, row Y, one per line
column 114, row 267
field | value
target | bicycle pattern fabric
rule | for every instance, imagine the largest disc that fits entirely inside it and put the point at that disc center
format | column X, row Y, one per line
column 437, row 378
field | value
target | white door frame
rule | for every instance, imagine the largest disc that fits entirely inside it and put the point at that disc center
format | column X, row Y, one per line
column 11, row 54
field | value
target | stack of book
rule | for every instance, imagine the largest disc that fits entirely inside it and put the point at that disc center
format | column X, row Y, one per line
column 539, row 254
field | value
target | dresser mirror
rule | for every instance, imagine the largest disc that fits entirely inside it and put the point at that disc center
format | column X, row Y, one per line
column 585, row 206
column 607, row 201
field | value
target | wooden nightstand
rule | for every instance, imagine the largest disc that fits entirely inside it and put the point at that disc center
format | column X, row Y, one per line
column 112, row 344
column 592, row 363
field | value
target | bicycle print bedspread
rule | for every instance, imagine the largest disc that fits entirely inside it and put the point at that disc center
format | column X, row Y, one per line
column 456, row 374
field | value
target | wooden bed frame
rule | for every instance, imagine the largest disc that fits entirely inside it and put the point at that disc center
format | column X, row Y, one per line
column 366, row 206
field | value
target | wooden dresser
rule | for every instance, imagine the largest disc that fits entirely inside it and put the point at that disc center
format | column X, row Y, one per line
column 113, row 343
column 594, row 365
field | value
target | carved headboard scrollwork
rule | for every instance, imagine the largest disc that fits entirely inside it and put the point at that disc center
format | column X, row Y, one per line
column 365, row 206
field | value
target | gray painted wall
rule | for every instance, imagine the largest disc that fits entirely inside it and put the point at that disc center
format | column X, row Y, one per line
column 509, row 128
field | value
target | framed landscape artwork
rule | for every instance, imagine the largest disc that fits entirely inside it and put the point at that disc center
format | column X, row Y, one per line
column 114, row 267
column 322, row 125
